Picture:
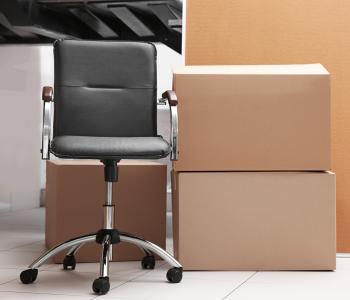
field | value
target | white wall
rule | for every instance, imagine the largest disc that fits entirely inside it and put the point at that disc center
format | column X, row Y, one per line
column 167, row 59
column 47, row 75
column 20, row 115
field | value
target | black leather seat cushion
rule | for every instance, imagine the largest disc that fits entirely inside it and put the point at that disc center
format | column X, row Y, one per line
column 109, row 147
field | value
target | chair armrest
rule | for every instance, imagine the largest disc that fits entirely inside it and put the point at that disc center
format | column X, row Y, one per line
column 47, row 94
column 170, row 96
column 47, row 97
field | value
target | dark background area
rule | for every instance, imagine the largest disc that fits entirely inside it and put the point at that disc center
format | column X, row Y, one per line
column 43, row 21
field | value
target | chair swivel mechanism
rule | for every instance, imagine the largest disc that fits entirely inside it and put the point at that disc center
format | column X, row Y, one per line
column 105, row 107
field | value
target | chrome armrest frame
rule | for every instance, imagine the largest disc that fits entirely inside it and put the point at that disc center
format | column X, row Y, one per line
column 174, row 130
column 47, row 123
column 46, row 131
column 170, row 97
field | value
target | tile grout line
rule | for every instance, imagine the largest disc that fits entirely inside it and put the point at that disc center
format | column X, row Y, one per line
column 42, row 293
column 12, row 280
column 21, row 246
column 125, row 282
column 237, row 287
column 59, row 294
column 26, row 245
column 130, row 280
column 137, row 276
column 8, row 281
column 94, row 297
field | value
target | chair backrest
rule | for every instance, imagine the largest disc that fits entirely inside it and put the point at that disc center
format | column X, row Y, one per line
column 105, row 88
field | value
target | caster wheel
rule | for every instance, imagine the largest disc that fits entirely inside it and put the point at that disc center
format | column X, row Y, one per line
column 174, row 275
column 148, row 262
column 101, row 285
column 29, row 276
column 69, row 262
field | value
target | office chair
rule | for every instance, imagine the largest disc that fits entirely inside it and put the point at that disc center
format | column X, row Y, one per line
column 105, row 108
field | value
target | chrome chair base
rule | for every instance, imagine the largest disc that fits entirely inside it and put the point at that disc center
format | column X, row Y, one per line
column 106, row 237
column 101, row 284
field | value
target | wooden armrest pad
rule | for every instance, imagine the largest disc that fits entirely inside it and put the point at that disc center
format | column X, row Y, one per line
column 171, row 97
column 47, row 94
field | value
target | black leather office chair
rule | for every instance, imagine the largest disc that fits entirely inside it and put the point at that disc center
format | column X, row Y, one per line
column 105, row 107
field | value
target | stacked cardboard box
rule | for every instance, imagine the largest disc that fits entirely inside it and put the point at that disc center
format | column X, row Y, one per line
column 251, row 187
column 284, row 32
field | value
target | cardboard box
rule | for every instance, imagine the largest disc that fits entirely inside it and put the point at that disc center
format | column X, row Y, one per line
column 254, row 220
column 253, row 118
column 284, row 32
column 75, row 191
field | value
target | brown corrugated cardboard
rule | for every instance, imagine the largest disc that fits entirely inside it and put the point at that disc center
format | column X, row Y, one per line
column 75, row 196
column 284, row 32
column 253, row 118
column 254, row 220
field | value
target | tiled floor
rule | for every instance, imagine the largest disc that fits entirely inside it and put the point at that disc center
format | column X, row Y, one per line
column 22, row 239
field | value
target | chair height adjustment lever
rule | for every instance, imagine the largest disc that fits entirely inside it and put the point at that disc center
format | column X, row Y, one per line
column 113, row 233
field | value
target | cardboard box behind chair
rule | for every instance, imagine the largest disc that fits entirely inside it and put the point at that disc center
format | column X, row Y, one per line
column 230, row 32
column 75, row 194
column 254, row 220
column 253, row 118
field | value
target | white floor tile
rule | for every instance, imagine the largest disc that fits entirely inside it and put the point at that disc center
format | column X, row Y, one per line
column 30, row 296
column 24, row 221
column 160, row 289
column 7, row 275
column 154, row 285
column 21, row 228
column 22, row 241
column 65, row 283
column 122, row 270
column 15, row 240
column 232, row 276
column 38, row 246
column 18, row 259
column 297, row 285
